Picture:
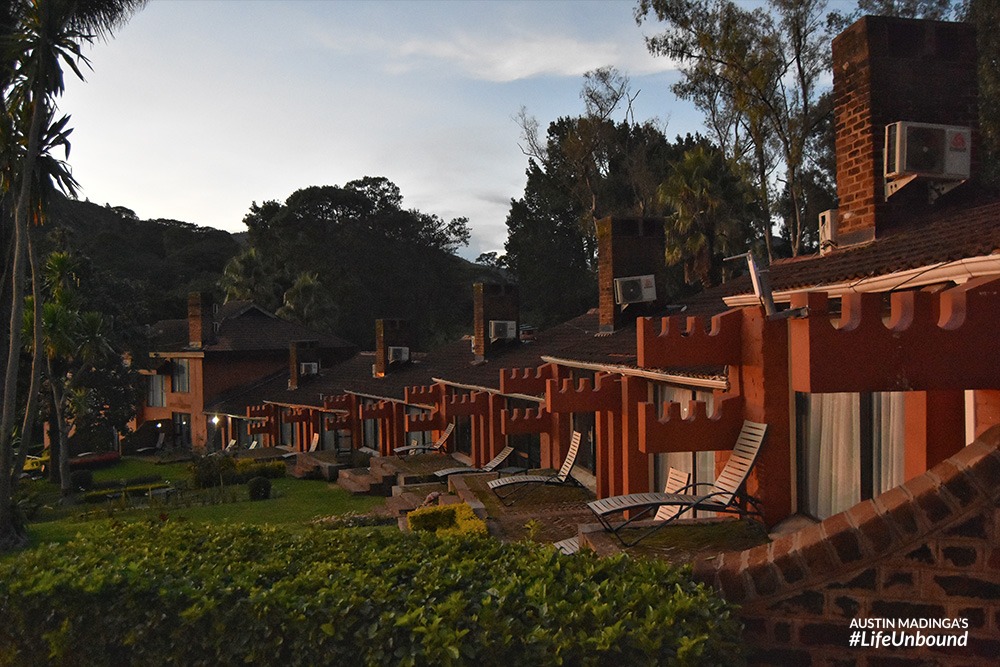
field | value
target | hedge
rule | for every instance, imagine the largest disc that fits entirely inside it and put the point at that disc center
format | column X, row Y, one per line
column 446, row 520
column 209, row 471
column 188, row 594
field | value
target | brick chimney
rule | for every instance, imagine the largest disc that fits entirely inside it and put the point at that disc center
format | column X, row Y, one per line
column 886, row 70
column 628, row 247
column 301, row 355
column 200, row 320
column 494, row 303
column 391, row 333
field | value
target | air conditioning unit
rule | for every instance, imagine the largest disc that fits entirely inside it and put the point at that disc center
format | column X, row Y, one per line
column 925, row 149
column 635, row 289
column 503, row 330
column 827, row 231
column 308, row 368
column 398, row 354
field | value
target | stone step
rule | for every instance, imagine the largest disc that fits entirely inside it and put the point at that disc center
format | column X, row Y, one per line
column 355, row 484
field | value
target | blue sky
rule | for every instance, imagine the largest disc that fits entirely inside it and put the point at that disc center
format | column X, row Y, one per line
column 199, row 107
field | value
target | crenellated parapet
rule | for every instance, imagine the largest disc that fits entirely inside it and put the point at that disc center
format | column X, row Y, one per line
column 518, row 421
column 583, row 395
column 340, row 422
column 339, row 402
column 925, row 341
column 475, row 403
column 379, row 410
column 528, row 381
column 686, row 341
column 432, row 394
column 297, row 416
column 697, row 432
column 426, row 421
column 263, row 418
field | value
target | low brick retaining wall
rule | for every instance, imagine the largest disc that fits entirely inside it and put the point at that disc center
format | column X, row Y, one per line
column 929, row 549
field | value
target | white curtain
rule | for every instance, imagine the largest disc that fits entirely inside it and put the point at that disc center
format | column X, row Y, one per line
column 889, row 443
column 832, row 453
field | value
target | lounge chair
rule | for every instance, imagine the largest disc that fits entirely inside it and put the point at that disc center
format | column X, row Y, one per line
column 313, row 446
column 225, row 450
column 725, row 495
column 253, row 445
column 492, row 465
column 520, row 482
column 423, row 449
column 154, row 449
column 676, row 481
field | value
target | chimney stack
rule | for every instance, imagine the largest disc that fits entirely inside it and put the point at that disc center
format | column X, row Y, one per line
column 496, row 318
column 395, row 334
column 885, row 70
column 200, row 319
column 302, row 354
column 627, row 248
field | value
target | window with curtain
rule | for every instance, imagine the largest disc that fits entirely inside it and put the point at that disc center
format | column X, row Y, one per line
column 850, row 448
column 156, row 394
column 180, row 376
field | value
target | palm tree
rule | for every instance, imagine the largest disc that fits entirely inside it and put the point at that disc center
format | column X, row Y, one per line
column 44, row 35
column 710, row 214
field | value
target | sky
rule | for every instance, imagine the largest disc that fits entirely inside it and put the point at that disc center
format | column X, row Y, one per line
column 197, row 108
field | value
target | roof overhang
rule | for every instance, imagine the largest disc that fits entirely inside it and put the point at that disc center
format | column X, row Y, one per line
column 390, row 400
column 957, row 271
column 645, row 373
column 490, row 390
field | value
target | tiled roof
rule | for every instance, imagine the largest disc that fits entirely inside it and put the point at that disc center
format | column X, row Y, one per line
column 948, row 235
column 243, row 327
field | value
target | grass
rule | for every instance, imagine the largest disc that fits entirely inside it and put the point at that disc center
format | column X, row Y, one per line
column 293, row 503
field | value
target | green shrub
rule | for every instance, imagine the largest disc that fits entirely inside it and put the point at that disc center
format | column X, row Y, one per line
column 259, row 488
column 247, row 469
column 209, row 471
column 101, row 495
column 446, row 520
column 81, row 480
column 165, row 592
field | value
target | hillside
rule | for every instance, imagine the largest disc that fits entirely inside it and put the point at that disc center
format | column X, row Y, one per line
column 156, row 262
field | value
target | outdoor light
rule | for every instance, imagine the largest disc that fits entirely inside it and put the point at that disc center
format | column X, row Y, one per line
column 215, row 420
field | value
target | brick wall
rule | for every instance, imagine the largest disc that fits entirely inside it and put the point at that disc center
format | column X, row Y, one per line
column 491, row 301
column 886, row 70
column 927, row 549
column 390, row 333
column 628, row 247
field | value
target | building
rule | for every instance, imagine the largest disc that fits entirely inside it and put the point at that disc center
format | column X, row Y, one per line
column 216, row 350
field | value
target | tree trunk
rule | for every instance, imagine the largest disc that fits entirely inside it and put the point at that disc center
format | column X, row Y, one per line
column 37, row 359
column 9, row 530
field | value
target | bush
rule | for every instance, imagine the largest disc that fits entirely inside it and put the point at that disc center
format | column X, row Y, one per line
column 81, row 480
column 167, row 593
column 259, row 488
column 247, row 469
column 209, row 471
column 446, row 520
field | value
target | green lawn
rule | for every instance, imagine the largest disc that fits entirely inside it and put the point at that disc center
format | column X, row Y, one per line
column 293, row 503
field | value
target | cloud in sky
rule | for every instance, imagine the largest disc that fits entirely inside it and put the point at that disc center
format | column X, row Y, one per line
column 196, row 109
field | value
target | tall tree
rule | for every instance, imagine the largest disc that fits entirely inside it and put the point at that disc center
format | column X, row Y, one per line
column 711, row 215
column 764, row 66
column 44, row 36
column 372, row 256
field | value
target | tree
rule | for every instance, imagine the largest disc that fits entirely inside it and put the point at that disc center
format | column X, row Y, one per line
column 358, row 254
column 587, row 168
column 308, row 302
column 764, row 66
column 711, row 216
column 44, row 36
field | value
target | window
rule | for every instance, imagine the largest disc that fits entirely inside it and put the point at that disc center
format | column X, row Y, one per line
column 850, row 448
column 156, row 394
column 180, row 378
column 182, row 429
